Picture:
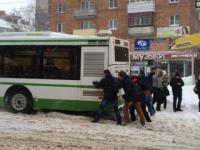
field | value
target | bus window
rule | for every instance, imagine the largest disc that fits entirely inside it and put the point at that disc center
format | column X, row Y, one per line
column 61, row 62
column 21, row 62
column 1, row 63
column 121, row 54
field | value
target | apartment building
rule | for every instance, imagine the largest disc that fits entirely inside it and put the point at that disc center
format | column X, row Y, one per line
column 149, row 25
column 42, row 15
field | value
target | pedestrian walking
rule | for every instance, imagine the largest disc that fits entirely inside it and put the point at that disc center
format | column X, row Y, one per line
column 177, row 83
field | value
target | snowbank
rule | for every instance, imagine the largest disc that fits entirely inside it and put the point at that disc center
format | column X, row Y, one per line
column 59, row 131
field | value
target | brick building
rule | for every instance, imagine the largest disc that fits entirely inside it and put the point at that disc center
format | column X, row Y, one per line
column 42, row 15
column 153, row 23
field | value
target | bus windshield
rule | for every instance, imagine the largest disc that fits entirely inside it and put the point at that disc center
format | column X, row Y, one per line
column 121, row 54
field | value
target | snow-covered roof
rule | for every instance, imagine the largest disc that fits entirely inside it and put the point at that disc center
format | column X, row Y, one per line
column 39, row 38
column 45, row 34
column 5, row 24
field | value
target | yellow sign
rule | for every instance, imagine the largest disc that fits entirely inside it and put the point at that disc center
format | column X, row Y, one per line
column 187, row 42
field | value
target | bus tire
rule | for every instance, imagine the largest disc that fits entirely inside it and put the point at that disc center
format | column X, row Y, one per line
column 19, row 101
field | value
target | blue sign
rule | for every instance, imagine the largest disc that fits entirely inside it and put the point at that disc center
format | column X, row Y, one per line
column 142, row 44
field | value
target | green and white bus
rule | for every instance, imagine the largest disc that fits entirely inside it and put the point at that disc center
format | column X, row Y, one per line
column 48, row 70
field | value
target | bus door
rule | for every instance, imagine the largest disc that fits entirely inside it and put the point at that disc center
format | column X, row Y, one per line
column 93, row 61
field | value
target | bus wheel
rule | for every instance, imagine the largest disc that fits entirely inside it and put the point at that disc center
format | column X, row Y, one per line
column 20, row 101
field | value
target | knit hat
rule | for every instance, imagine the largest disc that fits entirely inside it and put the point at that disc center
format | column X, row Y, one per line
column 177, row 74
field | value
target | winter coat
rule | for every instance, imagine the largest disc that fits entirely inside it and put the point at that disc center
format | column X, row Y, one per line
column 145, row 84
column 150, row 78
column 138, row 91
column 176, row 85
column 198, row 86
column 128, row 87
column 110, row 87
column 157, row 82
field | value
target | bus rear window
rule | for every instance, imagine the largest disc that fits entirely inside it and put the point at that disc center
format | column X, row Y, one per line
column 121, row 54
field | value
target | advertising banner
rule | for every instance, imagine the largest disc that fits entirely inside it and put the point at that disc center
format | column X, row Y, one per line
column 142, row 44
column 163, row 32
column 187, row 42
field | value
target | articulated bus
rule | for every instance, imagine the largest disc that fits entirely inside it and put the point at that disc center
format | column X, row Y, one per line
column 54, row 71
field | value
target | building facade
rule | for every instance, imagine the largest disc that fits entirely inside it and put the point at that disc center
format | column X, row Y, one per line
column 42, row 15
column 150, row 25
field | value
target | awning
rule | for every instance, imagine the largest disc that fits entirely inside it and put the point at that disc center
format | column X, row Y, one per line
column 186, row 42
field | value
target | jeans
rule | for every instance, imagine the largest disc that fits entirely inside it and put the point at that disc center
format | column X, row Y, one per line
column 175, row 97
column 102, row 107
column 199, row 101
column 149, row 102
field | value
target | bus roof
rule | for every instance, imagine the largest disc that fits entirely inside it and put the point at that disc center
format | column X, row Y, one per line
column 49, row 38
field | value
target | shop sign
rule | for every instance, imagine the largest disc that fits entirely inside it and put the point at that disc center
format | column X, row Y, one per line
column 142, row 63
column 142, row 44
column 179, row 56
column 173, row 31
column 146, row 56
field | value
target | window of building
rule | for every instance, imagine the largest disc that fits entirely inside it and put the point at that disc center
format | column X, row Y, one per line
column 174, row 20
column 86, row 24
column 174, row 1
column 85, row 4
column 60, row 27
column 112, row 3
column 112, row 24
column 60, row 8
column 139, row 1
column 140, row 20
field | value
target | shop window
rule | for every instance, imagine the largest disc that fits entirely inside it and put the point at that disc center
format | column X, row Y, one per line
column 176, row 66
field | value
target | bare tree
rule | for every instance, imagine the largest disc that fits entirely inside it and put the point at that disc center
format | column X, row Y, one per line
column 23, row 19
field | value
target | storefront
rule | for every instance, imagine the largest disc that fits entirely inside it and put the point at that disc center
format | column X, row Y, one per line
column 169, row 61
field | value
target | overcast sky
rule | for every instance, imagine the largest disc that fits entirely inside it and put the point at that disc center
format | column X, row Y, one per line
column 9, row 5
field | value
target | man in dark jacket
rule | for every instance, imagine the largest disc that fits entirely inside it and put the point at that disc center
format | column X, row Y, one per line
column 139, row 95
column 131, row 98
column 197, row 87
column 110, row 89
column 150, row 76
column 176, row 83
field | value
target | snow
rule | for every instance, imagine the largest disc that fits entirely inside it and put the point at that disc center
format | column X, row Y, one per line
column 59, row 131
column 5, row 24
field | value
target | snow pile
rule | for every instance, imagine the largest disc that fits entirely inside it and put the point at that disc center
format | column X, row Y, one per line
column 168, row 131
column 190, row 99
column 188, row 80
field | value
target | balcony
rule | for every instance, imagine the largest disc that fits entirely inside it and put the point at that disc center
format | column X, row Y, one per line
column 85, row 32
column 88, row 13
column 141, row 31
column 139, row 7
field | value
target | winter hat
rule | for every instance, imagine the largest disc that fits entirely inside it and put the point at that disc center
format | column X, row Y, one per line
column 177, row 74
